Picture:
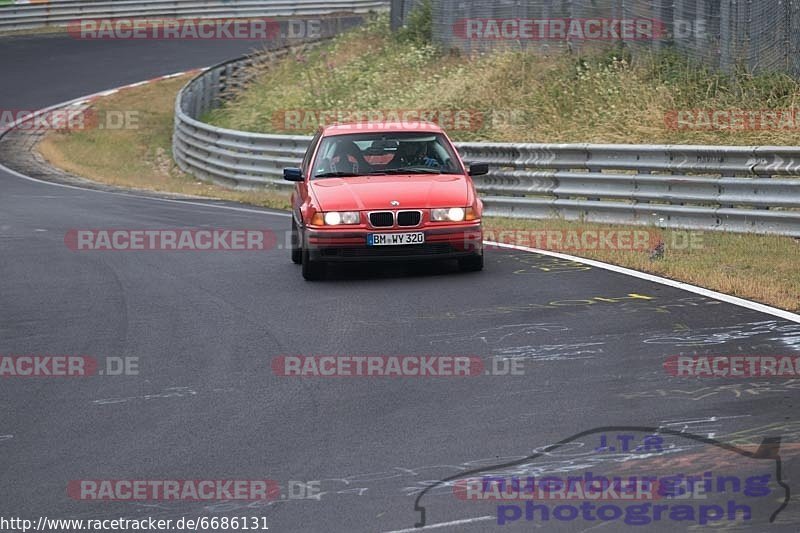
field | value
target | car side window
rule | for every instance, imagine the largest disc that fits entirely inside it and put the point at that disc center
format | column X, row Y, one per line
column 304, row 166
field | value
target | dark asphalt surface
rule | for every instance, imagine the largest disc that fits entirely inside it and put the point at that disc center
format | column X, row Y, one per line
column 205, row 327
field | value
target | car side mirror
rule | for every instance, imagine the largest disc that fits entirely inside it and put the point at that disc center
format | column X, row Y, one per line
column 478, row 169
column 292, row 174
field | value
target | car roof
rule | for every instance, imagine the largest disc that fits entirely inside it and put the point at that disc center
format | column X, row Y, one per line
column 380, row 127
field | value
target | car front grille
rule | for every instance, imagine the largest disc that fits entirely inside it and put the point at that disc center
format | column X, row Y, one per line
column 381, row 219
column 408, row 218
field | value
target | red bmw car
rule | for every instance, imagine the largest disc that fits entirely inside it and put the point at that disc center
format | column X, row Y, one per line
column 384, row 192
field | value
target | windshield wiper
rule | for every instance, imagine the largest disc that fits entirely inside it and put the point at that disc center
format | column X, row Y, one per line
column 412, row 170
column 336, row 175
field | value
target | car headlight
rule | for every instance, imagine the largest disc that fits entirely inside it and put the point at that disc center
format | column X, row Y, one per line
column 336, row 218
column 453, row 214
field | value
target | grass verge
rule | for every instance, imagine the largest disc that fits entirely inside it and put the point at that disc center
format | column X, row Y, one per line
column 139, row 155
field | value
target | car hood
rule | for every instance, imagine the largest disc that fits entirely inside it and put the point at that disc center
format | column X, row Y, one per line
column 367, row 193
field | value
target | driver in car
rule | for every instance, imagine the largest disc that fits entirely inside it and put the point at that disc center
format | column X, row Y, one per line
column 413, row 154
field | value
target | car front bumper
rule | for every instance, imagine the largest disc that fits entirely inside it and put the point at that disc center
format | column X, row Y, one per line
column 441, row 242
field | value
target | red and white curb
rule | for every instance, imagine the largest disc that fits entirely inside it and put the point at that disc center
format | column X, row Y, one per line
column 83, row 102
column 95, row 96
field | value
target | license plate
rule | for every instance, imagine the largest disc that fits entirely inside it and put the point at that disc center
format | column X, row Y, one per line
column 395, row 239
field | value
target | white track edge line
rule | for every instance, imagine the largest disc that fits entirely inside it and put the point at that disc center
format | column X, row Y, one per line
column 141, row 197
column 444, row 524
column 735, row 300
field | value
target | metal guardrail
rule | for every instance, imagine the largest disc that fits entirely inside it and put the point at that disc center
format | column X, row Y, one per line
column 741, row 189
column 732, row 188
column 19, row 16
column 229, row 157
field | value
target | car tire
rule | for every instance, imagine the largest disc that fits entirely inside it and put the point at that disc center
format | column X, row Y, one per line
column 312, row 270
column 297, row 252
column 473, row 263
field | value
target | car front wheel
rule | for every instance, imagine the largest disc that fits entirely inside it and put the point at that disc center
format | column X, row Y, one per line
column 473, row 263
column 297, row 252
column 312, row 270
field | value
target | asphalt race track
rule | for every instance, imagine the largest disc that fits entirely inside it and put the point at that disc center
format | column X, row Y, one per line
column 206, row 326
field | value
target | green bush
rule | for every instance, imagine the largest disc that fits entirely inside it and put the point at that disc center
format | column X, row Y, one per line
column 419, row 26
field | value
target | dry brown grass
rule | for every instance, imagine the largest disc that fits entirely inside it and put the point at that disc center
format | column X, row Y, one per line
column 140, row 157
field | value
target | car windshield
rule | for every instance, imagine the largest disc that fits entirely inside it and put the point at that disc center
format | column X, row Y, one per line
column 376, row 153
